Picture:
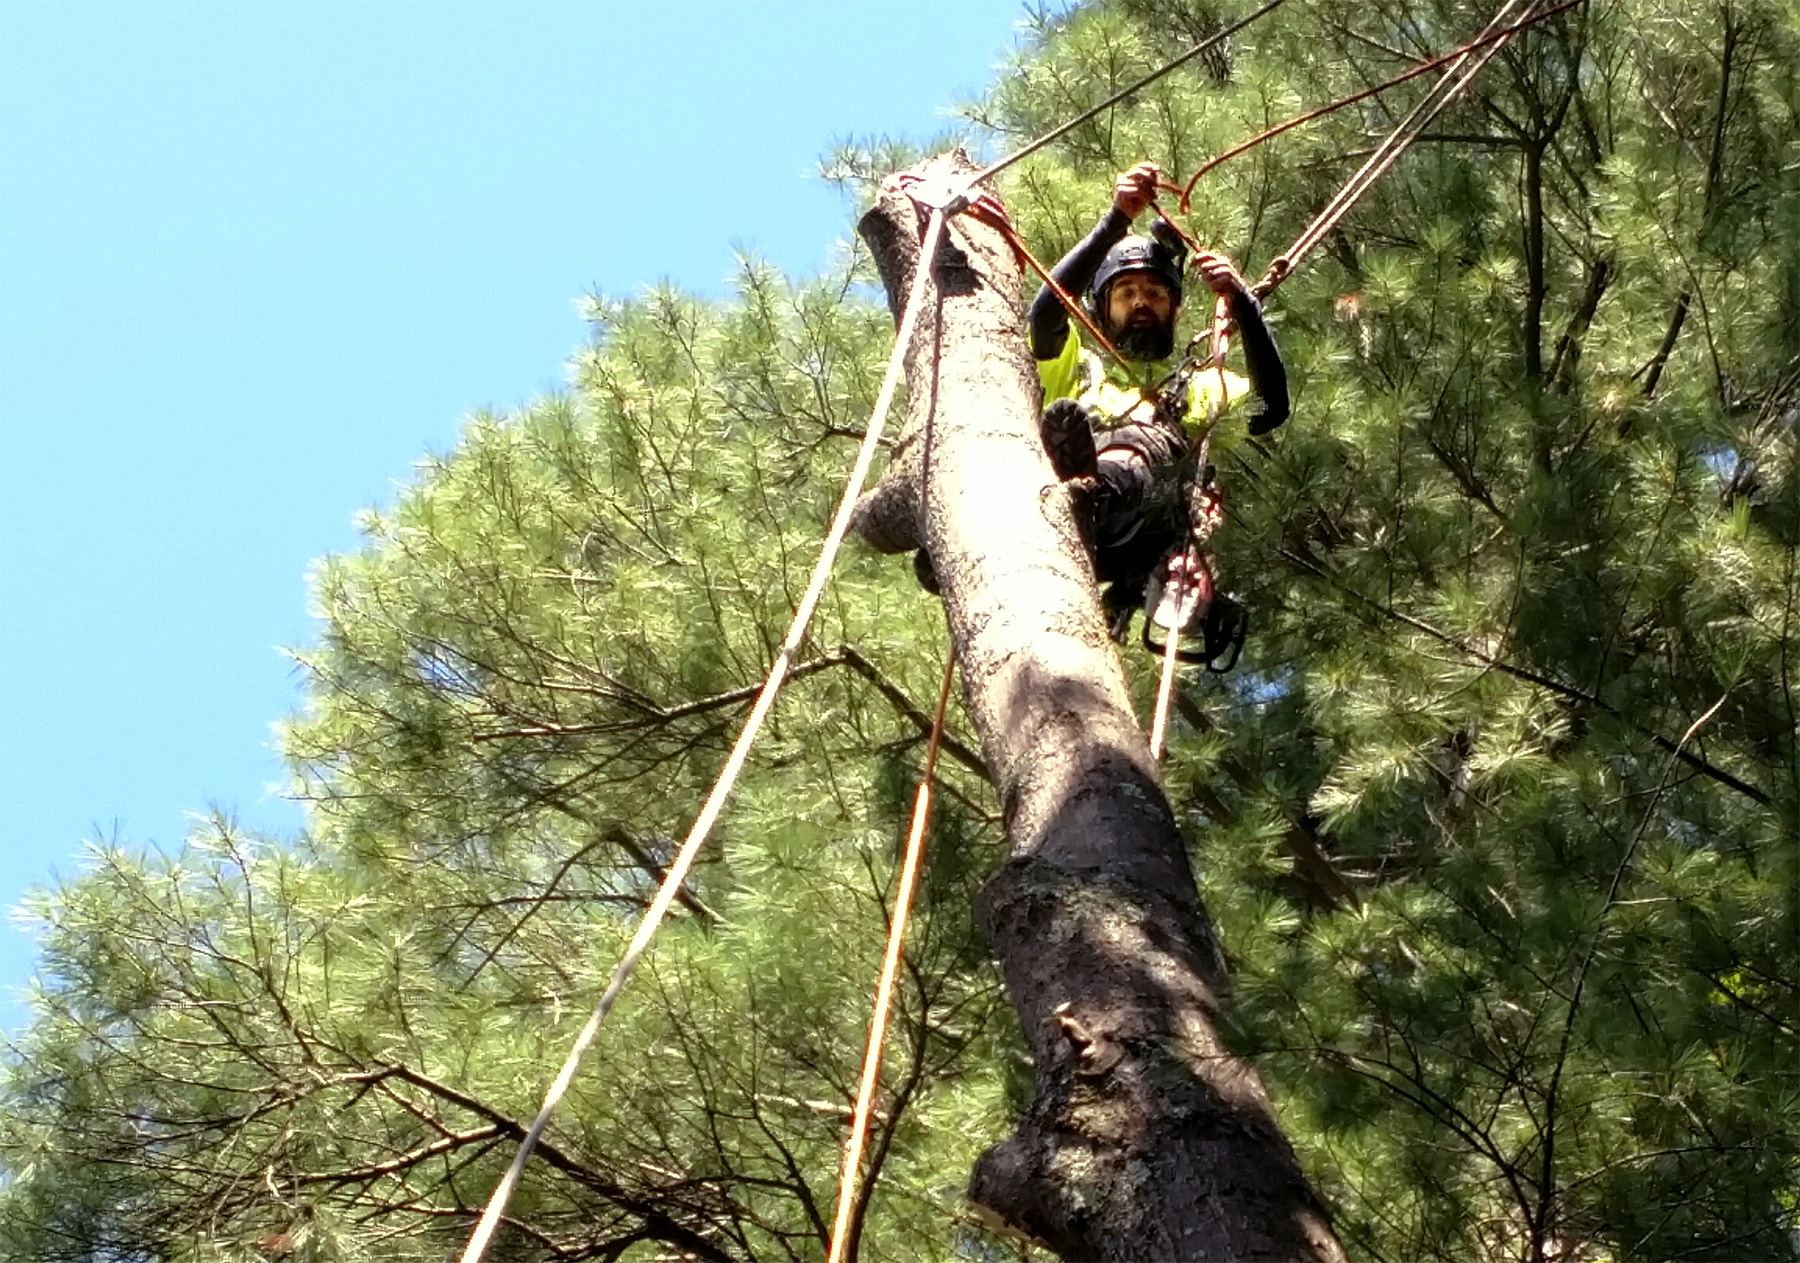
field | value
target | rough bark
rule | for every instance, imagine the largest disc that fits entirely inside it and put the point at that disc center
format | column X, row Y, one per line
column 1146, row 1139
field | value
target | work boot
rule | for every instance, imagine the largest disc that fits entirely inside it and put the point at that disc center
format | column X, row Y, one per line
column 1068, row 436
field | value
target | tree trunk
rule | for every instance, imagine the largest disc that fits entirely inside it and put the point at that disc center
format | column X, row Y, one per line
column 1146, row 1138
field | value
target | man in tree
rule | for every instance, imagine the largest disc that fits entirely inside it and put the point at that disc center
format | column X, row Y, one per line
column 1111, row 428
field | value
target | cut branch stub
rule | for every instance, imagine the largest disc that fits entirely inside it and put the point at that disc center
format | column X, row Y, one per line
column 1146, row 1138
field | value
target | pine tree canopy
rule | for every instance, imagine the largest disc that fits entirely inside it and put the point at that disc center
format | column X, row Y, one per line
column 1498, row 815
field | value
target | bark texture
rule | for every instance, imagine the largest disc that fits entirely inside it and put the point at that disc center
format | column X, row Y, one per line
column 1146, row 1139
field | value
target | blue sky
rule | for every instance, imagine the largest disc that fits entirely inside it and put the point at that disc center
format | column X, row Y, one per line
column 257, row 258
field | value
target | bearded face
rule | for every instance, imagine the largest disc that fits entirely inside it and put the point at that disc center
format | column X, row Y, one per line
column 1139, row 314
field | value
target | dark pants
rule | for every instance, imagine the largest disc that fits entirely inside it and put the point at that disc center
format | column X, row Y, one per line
column 1138, row 512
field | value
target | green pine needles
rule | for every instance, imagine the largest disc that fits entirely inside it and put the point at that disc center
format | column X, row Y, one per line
column 1498, row 816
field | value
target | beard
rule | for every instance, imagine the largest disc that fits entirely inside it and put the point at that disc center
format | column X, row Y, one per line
column 1150, row 341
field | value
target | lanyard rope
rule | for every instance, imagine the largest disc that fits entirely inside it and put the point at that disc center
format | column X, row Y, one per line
column 1465, row 65
column 995, row 168
column 991, row 214
column 841, row 1234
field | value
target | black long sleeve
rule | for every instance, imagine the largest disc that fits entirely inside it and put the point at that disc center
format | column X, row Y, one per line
column 1048, row 319
column 1262, row 363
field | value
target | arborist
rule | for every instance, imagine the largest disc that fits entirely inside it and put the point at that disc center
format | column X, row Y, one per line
column 1119, row 433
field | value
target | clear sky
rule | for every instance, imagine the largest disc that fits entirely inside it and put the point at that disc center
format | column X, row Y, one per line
column 257, row 258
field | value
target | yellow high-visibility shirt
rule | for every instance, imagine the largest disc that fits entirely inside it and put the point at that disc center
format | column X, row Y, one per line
column 1118, row 396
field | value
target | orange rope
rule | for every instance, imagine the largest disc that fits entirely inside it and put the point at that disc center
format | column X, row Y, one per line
column 990, row 215
column 1451, row 85
column 890, row 969
column 1489, row 37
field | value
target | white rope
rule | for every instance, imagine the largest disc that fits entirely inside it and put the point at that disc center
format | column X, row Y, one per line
column 1165, row 688
column 715, row 802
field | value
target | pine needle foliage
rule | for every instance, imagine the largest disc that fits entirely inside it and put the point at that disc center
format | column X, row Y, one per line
column 524, row 682
column 1498, row 817
column 1521, row 687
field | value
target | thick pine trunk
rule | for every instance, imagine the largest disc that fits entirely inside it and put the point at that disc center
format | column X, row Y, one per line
column 1146, row 1139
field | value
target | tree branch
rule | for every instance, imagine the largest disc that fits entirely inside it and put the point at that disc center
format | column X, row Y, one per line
column 412, row 1158
column 1543, row 681
column 657, row 1223
column 659, row 714
column 1652, row 371
column 1568, row 347
column 854, row 659
column 1715, row 161
column 1314, row 866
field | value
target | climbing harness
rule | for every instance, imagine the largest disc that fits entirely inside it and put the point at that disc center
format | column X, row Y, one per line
column 890, row 969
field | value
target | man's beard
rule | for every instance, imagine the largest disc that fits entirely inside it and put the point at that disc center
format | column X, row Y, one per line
column 1149, row 342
